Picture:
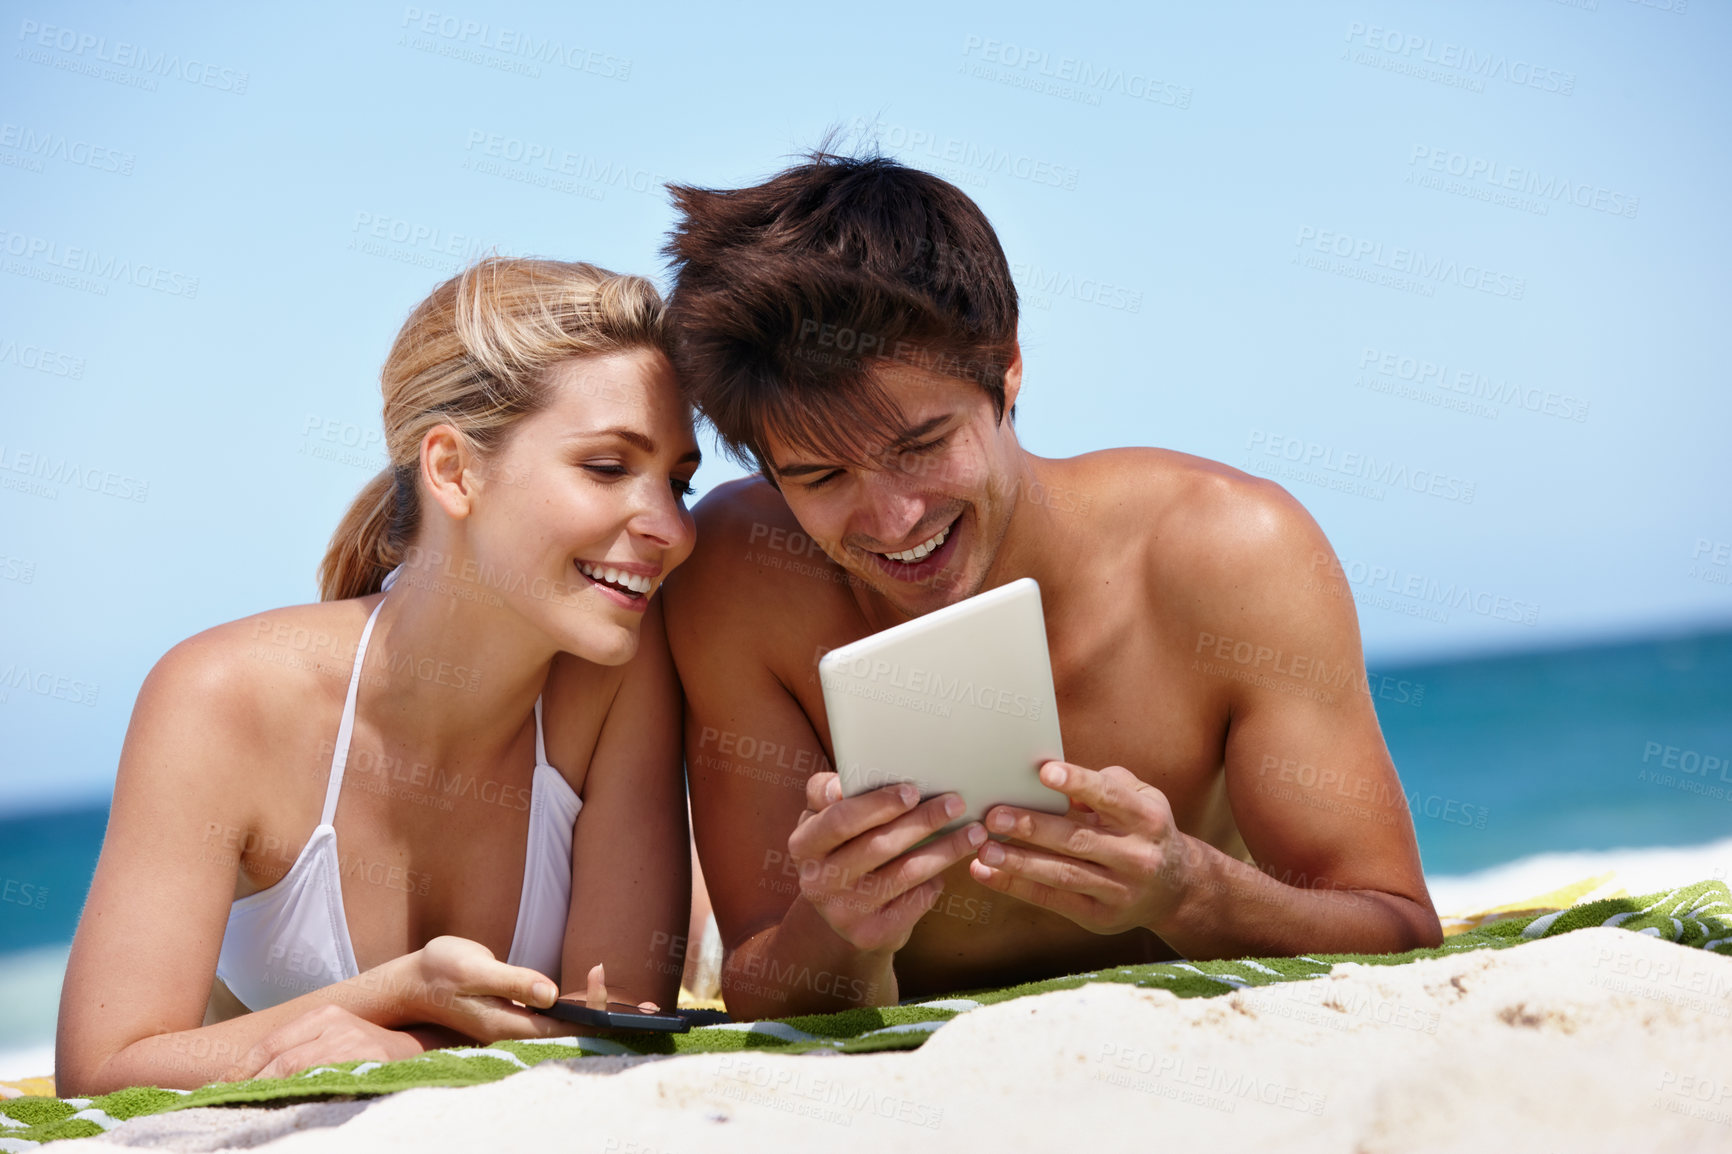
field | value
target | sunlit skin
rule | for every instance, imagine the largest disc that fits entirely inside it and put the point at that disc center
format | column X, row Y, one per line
column 1175, row 843
column 223, row 773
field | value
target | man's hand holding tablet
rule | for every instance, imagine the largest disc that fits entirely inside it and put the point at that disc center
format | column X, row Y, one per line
column 955, row 707
column 858, row 864
column 1115, row 862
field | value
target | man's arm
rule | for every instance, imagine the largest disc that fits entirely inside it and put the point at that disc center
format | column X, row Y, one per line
column 811, row 907
column 1273, row 634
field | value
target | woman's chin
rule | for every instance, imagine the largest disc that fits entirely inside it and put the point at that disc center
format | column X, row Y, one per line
column 614, row 645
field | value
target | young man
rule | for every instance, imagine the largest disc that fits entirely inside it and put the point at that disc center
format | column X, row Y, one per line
column 850, row 327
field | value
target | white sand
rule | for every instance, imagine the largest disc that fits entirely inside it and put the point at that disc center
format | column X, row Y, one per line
column 30, row 982
column 1595, row 1040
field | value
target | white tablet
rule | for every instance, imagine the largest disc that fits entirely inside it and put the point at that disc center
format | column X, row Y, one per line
column 958, row 700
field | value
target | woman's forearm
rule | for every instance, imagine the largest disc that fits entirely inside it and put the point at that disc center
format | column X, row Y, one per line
column 389, row 995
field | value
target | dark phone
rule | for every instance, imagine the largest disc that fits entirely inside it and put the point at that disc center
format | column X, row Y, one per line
column 617, row 1016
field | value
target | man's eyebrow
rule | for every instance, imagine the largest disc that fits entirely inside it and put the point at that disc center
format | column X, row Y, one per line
column 904, row 439
column 909, row 436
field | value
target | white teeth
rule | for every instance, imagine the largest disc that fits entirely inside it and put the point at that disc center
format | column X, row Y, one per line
column 922, row 550
column 613, row 576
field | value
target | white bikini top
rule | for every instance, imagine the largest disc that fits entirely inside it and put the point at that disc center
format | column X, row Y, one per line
column 293, row 937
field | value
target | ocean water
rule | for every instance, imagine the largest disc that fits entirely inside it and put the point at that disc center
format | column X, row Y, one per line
column 1523, row 772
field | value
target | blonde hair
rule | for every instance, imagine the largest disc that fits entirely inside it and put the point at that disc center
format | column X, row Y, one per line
column 473, row 356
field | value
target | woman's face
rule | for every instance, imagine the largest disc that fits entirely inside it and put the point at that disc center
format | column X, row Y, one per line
column 579, row 517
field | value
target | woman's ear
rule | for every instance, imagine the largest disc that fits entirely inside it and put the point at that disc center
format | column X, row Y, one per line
column 446, row 464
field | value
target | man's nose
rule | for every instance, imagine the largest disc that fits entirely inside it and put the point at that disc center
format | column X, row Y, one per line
column 893, row 508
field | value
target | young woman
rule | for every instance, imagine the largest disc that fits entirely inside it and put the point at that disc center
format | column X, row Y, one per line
column 377, row 824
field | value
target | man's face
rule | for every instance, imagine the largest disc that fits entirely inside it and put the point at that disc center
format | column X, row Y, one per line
column 922, row 519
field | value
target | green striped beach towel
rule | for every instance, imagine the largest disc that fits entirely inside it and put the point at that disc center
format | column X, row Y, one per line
column 1698, row 916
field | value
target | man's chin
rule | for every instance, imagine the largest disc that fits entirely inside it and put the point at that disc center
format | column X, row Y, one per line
column 915, row 598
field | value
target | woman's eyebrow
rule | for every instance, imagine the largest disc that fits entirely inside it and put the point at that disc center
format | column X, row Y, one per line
column 634, row 438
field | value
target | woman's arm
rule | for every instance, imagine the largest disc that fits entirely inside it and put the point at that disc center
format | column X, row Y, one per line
column 145, row 953
column 630, row 855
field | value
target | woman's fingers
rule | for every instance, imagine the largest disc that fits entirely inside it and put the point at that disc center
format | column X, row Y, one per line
column 595, row 997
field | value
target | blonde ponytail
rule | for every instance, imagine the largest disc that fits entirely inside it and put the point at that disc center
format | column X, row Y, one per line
column 361, row 550
column 473, row 355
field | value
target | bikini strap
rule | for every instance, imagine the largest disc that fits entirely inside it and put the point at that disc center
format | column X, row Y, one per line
column 346, row 729
column 540, row 745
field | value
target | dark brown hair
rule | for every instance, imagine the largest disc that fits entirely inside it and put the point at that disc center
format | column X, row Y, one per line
column 789, row 294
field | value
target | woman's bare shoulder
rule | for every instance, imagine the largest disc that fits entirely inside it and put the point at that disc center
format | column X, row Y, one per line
column 252, row 681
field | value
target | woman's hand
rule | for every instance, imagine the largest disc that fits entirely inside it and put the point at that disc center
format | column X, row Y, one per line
column 321, row 1036
column 595, row 992
column 453, row 982
column 459, row 984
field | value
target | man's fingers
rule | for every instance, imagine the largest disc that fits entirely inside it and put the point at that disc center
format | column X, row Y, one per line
column 847, row 819
column 1071, row 835
column 1115, row 793
column 822, row 791
column 1057, row 872
column 895, row 918
column 886, row 842
column 1079, row 908
column 918, row 866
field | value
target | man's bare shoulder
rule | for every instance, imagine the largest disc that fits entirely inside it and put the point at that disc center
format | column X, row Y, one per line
column 1209, row 532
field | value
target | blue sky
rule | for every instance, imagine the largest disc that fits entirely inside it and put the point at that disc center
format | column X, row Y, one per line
column 1454, row 274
